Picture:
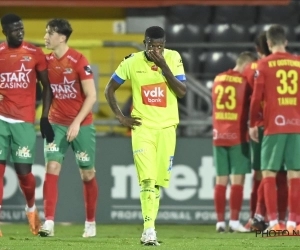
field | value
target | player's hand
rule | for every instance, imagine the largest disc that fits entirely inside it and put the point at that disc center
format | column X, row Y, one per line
column 130, row 122
column 46, row 129
column 157, row 58
column 254, row 134
column 73, row 131
column 1, row 97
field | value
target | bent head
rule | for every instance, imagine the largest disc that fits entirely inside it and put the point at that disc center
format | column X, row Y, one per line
column 244, row 59
column 13, row 30
column 276, row 37
column 155, row 39
column 262, row 47
column 58, row 32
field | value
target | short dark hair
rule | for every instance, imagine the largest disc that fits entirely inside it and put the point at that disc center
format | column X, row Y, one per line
column 245, row 57
column 9, row 19
column 155, row 32
column 261, row 44
column 276, row 34
column 61, row 26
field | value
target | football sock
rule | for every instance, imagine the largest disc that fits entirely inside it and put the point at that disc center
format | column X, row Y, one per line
column 253, row 197
column 2, row 171
column 50, row 192
column 156, row 203
column 90, row 191
column 27, row 184
column 282, row 194
column 260, row 205
column 220, row 202
column 236, row 200
column 147, row 197
column 294, row 188
column 270, row 196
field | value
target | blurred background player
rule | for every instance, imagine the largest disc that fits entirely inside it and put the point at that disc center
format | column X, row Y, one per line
column 230, row 94
column 277, row 86
column 154, row 117
column 257, row 204
column 20, row 65
column 70, row 115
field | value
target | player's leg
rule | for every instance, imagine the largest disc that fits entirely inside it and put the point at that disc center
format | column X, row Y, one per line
column 54, row 154
column 292, row 159
column 23, row 146
column 5, row 136
column 221, row 159
column 239, row 159
column 282, row 194
column 84, row 149
column 272, row 154
column 144, row 143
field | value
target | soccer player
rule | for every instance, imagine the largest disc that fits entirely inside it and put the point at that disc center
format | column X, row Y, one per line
column 257, row 204
column 20, row 65
column 277, row 85
column 70, row 115
column 230, row 95
column 157, row 79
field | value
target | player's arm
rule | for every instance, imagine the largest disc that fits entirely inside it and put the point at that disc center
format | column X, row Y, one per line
column 178, row 87
column 255, row 104
column 112, row 86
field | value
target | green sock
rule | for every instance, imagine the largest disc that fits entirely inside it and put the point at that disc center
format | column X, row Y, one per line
column 147, row 197
column 156, row 203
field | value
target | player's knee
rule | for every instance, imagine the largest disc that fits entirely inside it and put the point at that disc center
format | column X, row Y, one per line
column 53, row 167
column 87, row 175
column 148, row 183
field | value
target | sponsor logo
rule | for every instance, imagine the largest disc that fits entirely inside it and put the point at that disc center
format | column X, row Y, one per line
column 256, row 74
column 0, row 152
column 88, row 70
column 65, row 90
column 23, row 152
column 224, row 136
column 15, row 80
column 82, row 156
column 51, row 147
column 280, row 120
column 26, row 47
column 155, row 94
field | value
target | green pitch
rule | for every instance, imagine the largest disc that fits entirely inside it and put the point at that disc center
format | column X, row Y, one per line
column 123, row 237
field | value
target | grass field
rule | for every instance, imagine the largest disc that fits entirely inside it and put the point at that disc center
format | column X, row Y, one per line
column 123, row 237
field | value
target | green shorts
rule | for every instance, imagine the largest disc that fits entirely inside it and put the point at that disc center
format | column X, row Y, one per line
column 83, row 146
column 280, row 149
column 21, row 138
column 234, row 160
column 153, row 153
column 256, row 150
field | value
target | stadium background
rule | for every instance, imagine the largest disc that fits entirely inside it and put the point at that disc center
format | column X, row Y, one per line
column 208, row 35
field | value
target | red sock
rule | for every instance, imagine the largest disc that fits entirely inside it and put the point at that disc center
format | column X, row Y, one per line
column 253, row 197
column 50, row 192
column 282, row 194
column 260, row 205
column 220, row 202
column 270, row 195
column 293, row 198
column 236, row 200
column 2, row 171
column 27, row 184
column 90, row 190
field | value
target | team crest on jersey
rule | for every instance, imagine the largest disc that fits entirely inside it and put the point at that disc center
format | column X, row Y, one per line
column 23, row 152
column 88, row 70
column 26, row 59
column 171, row 164
column 154, row 68
column 68, row 71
